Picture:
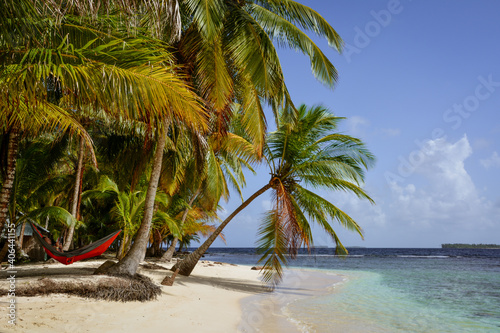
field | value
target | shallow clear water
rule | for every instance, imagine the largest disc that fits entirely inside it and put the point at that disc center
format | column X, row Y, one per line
column 396, row 290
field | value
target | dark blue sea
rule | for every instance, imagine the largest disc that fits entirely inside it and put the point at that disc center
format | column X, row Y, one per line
column 392, row 290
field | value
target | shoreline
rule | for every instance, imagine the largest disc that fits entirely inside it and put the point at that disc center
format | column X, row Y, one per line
column 208, row 301
column 269, row 312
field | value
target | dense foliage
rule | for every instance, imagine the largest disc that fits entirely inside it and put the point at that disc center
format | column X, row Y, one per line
column 143, row 115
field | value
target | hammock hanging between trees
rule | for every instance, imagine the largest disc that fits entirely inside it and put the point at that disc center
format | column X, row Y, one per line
column 88, row 251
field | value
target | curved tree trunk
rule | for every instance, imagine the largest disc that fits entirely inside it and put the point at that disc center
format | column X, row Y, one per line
column 5, row 193
column 167, row 256
column 76, row 195
column 187, row 265
column 129, row 264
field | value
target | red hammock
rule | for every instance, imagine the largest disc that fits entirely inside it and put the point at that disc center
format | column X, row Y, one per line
column 88, row 251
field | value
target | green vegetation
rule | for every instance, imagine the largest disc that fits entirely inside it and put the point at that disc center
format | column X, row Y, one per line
column 143, row 115
column 300, row 154
column 470, row 246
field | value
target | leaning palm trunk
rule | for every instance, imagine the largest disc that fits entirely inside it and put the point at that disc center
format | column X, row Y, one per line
column 167, row 257
column 76, row 195
column 129, row 264
column 187, row 265
column 5, row 193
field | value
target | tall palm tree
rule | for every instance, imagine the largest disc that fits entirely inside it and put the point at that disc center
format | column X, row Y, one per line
column 128, row 209
column 33, row 176
column 301, row 154
column 101, row 61
column 225, row 158
column 228, row 49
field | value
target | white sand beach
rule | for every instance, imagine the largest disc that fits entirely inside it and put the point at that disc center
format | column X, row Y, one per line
column 267, row 312
column 207, row 301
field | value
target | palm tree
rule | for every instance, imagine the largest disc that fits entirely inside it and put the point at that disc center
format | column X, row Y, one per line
column 224, row 159
column 227, row 48
column 32, row 171
column 301, row 154
column 102, row 63
column 128, row 209
column 226, row 51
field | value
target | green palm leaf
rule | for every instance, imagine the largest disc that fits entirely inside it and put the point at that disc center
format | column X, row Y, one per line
column 307, row 150
column 288, row 34
column 54, row 213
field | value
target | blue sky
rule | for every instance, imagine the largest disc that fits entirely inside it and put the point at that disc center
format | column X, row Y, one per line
column 420, row 84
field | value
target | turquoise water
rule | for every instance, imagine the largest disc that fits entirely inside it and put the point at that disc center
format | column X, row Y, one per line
column 395, row 290
column 370, row 302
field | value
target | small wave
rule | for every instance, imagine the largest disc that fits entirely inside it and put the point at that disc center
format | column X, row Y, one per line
column 330, row 255
column 300, row 325
column 414, row 256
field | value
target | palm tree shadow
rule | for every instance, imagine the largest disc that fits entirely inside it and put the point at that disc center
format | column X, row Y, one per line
column 223, row 283
column 240, row 286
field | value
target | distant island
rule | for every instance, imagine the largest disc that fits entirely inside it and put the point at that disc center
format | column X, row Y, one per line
column 470, row 246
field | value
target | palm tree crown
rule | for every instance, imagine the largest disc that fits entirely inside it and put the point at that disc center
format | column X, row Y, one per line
column 229, row 49
column 302, row 154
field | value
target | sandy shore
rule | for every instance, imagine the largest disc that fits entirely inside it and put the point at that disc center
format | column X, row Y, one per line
column 207, row 301
column 267, row 312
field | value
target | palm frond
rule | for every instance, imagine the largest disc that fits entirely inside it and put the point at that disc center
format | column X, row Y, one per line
column 166, row 220
column 272, row 246
column 287, row 34
column 208, row 16
column 321, row 209
column 306, row 17
column 53, row 213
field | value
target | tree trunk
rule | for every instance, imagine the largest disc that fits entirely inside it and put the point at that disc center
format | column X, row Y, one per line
column 5, row 193
column 187, row 265
column 76, row 195
column 167, row 256
column 4, row 250
column 129, row 264
column 123, row 245
column 118, row 247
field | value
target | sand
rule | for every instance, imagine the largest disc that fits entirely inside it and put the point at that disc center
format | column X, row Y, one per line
column 267, row 312
column 207, row 301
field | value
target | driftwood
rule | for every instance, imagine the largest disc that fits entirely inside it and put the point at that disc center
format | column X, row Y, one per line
column 169, row 281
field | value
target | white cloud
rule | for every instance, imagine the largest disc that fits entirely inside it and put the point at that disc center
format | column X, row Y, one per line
column 447, row 198
column 362, row 211
column 491, row 162
column 357, row 125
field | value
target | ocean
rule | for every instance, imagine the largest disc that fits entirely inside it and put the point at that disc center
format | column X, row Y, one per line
column 377, row 290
